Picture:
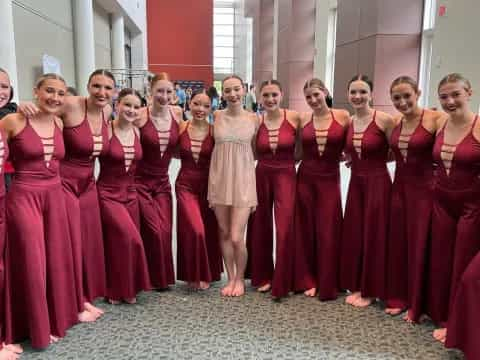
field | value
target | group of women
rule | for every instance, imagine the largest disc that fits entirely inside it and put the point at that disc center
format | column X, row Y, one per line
column 71, row 239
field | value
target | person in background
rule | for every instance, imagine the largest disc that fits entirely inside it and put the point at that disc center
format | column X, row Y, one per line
column 251, row 100
column 6, row 107
column 213, row 94
column 181, row 95
column 71, row 91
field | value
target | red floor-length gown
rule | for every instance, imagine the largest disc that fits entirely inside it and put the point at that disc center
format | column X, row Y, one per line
column 410, row 219
column 463, row 331
column 126, row 265
column 77, row 172
column 199, row 257
column 40, row 291
column 455, row 221
column 155, row 200
column 318, row 218
column 365, row 225
column 3, row 158
column 275, row 179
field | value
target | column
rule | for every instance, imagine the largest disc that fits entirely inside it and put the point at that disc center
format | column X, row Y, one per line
column 84, row 42
column 8, row 60
column 118, row 42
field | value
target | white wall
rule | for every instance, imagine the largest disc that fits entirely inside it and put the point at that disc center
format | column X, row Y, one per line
column 456, row 46
column 42, row 27
column 101, row 25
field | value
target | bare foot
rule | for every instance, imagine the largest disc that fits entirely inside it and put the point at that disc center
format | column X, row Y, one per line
column 440, row 334
column 53, row 339
column 93, row 309
column 16, row 348
column 194, row 285
column 130, row 301
column 350, row 299
column 393, row 311
column 409, row 317
column 264, row 288
column 239, row 288
column 310, row 292
column 86, row 316
column 6, row 354
column 204, row 285
column 228, row 289
column 362, row 302
column 114, row 302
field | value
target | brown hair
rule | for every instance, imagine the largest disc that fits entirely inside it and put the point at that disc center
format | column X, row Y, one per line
column 49, row 76
column 271, row 82
column 453, row 78
column 104, row 73
column 158, row 77
column 233, row 76
column 405, row 80
column 128, row 91
column 361, row 77
column 314, row 83
column 199, row 92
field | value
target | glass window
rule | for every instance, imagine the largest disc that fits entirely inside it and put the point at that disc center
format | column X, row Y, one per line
column 221, row 40
column 223, row 30
column 223, row 52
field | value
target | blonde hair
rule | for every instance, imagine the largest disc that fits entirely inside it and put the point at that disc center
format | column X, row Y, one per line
column 50, row 76
column 453, row 78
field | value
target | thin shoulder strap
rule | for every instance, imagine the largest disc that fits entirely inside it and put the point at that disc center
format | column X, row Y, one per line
column 86, row 109
column 422, row 116
column 374, row 115
column 474, row 122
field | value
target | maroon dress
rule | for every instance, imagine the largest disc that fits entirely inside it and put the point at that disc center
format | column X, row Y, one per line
column 3, row 158
column 275, row 180
column 155, row 200
column 463, row 331
column 410, row 219
column 198, row 250
column 126, row 265
column 318, row 218
column 39, row 276
column 365, row 226
column 77, row 172
column 455, row 221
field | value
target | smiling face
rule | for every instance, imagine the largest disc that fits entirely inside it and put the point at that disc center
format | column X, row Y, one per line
column 50, row 95
column 5, row 89
column 200, row 107
column 101, row 89
column 162, row 92
column 359, row 94
column 454, row 97
column 129, row 108
column 271, row 96
column 233, row 91
column 315, row 97
column 404, row 98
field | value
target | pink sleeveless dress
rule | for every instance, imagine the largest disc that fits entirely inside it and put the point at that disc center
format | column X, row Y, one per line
column 155, row 200
column 231, row 180
column 126, row 264
column 39, row 275
column 3, row 158
column 198, row 251
column 77, row 172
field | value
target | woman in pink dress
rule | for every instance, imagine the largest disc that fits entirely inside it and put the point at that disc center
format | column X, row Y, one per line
column 365, row 226
column 456, row 198
column 126, row 265
column 231, row 183
column 40, row 296
column 158, row 125
column 199, row 259
column 318, row 218
column 275, row 180
column 85, row 134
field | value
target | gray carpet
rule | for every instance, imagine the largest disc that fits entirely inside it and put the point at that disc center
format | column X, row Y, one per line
column 183, row 324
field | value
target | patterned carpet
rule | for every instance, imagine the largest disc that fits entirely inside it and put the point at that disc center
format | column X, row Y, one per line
column 183, row 324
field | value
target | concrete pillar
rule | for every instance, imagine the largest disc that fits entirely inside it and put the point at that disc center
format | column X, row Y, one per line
column 378, row 38
column 118, row 42
column 84, row 42
column 8, row 60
